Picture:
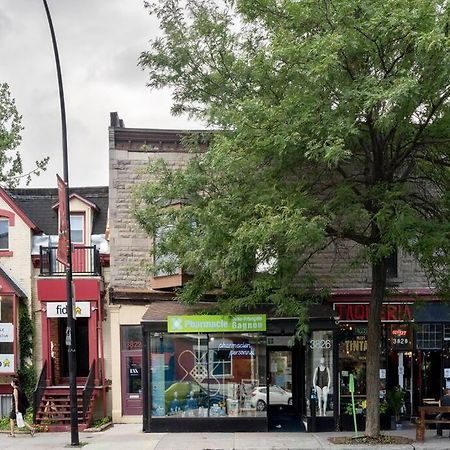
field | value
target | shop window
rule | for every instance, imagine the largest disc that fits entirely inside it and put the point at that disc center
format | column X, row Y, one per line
column 352, row 357
column 319, row 371
column 7, row 363
column 446, row 332
column 206, row 375
column 4, row 233
column 77, row 228
column 429, row 336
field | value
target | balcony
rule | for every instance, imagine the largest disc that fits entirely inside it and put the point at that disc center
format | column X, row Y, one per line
column 85, row 261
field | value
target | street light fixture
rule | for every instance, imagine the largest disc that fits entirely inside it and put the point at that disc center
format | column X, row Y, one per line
column 70, row 331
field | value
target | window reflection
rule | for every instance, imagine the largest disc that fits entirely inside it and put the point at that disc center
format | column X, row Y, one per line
column 206, row 375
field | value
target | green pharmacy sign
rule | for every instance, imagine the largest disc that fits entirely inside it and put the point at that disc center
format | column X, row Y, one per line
column 216, row 323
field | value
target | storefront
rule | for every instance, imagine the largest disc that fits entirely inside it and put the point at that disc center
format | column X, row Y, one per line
column 238, row 373
column 415, row 352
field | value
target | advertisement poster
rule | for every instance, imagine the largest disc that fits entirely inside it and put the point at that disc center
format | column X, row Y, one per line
column 6, row 332
column 158, row 385
column 6, row 363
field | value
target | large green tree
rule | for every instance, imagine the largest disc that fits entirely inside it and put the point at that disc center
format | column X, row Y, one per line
column 331, row 125
column 11, row 170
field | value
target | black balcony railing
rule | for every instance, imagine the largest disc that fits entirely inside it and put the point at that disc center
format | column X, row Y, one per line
column 85, row 261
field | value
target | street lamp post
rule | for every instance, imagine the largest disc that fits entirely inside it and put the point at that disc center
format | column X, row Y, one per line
column 70, row 331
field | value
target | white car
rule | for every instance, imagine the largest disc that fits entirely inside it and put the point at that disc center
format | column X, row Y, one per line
column 277, row 396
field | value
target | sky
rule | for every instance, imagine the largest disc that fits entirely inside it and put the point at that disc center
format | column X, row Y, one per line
column 99, row 44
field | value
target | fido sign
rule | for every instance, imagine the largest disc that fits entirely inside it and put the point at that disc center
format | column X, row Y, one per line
column 59, row 309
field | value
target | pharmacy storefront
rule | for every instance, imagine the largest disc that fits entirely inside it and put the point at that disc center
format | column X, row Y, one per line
column 234, row 373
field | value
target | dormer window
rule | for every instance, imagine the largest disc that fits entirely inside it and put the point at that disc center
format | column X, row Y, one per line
column 4, row 233
column 77, row 228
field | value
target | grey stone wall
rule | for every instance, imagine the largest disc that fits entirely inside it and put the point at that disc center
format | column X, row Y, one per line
column 130, row 246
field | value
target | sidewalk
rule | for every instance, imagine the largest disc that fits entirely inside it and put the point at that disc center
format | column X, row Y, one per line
column 130, row 437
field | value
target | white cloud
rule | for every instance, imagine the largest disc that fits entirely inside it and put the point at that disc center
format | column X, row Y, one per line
column 99, row 43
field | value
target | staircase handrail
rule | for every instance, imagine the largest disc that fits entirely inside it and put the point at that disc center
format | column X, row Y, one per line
column 39, row 390
column 88, row 388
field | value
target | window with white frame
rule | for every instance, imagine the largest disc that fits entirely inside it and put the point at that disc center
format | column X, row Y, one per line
column 4, row 233
column 429, row 336
column 77, row 228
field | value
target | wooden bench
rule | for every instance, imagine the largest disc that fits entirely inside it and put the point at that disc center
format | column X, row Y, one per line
column 421, row 423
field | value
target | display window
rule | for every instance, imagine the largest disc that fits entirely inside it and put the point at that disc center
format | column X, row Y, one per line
column 206, row 374
column 352, row 360
column 319, row 372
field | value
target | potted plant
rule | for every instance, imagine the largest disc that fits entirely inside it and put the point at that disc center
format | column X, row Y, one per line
column 347, row 423
column 396, row 399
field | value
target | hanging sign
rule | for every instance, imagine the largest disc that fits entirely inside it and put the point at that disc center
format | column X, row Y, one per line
column 400, row 337
column 216, row 323
column 63, row 234
column 7, row 363
column 6, row 332
column 59, row 309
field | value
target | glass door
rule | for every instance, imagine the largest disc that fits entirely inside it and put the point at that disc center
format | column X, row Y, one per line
column 280, row 380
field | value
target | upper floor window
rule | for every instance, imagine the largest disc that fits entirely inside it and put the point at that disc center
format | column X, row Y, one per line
column 392, row 265
column 77, row 228
column 4, row 233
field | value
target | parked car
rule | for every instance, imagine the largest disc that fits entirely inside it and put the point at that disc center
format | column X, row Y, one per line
column 277, row 396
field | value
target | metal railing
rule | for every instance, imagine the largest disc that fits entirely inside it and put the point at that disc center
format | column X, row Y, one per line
column 88, row 389
column 39, row 390
column 85, row 261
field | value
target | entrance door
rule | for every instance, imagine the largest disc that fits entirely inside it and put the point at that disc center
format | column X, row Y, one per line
column 82, row 347
column 282, row 410
column 132, row 382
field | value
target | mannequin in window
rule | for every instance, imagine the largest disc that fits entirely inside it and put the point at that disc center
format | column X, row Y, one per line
column 322, row 384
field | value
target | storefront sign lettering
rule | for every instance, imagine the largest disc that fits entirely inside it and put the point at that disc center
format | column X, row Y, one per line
column 359, row 312
column 237, row 349
column 6, row 332
column 357, row 345
column 59, row 309
column 216, row 323
column 7, row 363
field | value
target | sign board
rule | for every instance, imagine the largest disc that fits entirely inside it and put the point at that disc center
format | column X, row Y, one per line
column 359, row 312
column 59, row 309
column 6, row 332
column 6, row 363
column 447, row 372
column 216, row 323
column 400, row 337
column 382, row 374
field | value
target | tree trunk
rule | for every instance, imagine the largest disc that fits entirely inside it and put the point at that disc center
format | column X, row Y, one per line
column 374, row 348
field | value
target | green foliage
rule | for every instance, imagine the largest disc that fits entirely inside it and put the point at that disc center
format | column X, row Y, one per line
column 11, row 170
column 395, row 399
column 4, row 421
column 337, row 127
column 27, row 373
column 103, row 421
column 331, row 129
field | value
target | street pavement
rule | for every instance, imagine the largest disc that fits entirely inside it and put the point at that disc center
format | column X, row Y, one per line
column 131, row 437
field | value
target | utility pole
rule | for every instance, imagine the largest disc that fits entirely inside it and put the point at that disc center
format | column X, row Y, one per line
column 70, row 331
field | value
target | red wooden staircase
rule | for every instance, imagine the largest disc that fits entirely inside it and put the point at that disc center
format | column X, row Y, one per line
column 51, row 404
column 53, row 412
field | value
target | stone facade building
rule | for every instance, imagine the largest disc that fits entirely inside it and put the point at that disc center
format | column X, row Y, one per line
column 140, row 304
